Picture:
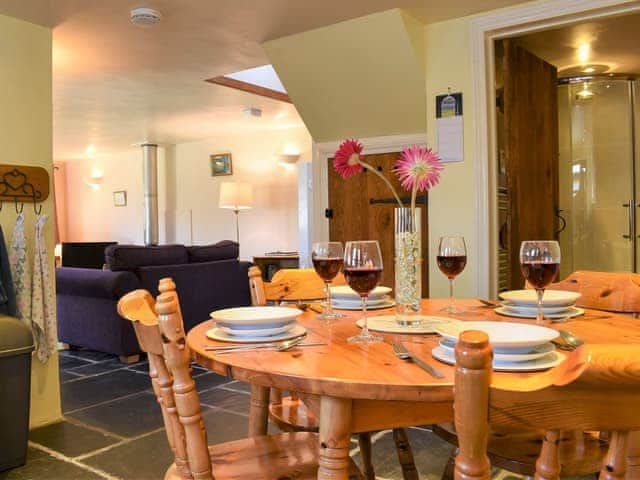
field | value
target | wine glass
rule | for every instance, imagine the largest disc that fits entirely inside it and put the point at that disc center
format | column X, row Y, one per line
column 539, row 263
column 452, row 258
column 327, row 258
column 362, row 271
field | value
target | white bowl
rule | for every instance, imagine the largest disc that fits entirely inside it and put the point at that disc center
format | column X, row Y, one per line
column 502, row 335
column 242, row 316
column 551, row 297
column 344, row 292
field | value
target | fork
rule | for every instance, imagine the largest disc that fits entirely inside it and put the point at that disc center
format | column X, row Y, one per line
column 401, row 352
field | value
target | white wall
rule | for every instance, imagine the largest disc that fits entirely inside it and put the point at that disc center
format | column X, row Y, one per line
column 272, row 224
column 187, row 191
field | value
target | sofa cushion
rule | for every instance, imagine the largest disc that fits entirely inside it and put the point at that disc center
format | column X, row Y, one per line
column 223, row 250
column 132, row 257
column 89, row 282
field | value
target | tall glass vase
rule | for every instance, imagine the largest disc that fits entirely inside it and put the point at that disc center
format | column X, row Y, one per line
column 408, row 265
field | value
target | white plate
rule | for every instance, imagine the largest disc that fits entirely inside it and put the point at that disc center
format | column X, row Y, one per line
column 344, row 292
column 388, row 324
column 501, row 334
column 377, row 306
column 549, row 360
column 255, row 315
column 509, row 312
column 356, row 303
column 217, row 334
column 511, row 356
column 532, row 308
column 255, row 332
column 551, row 297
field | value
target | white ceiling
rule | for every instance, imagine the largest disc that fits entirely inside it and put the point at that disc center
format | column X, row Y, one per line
column 612, row 41
column 115, row 84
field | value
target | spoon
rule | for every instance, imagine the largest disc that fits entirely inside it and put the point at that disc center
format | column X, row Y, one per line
column 570, row 339
column 280, row 347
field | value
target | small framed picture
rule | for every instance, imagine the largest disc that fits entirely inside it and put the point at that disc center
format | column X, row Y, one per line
column 120, row 198
column 221, row 164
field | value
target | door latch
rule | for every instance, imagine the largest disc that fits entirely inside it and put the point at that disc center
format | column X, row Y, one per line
column 328, row 212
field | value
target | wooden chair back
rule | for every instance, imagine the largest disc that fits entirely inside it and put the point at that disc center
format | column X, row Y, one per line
column 139, row 307
column 288, row 285
column 596, row 388
column 611, row 291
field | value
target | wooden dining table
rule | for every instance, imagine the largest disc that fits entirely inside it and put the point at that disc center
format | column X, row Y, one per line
column 355, row 388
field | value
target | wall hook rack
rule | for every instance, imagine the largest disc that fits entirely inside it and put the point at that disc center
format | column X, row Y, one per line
column 21, row 184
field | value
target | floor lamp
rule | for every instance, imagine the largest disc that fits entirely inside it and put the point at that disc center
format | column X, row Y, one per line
column 236, row 196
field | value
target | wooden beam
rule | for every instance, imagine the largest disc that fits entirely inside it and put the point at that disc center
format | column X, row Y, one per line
column 250, row 88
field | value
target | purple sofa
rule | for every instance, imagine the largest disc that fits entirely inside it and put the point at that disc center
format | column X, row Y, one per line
column 207, row 278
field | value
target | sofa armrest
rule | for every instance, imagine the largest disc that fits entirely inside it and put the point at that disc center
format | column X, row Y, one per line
column 89, row 282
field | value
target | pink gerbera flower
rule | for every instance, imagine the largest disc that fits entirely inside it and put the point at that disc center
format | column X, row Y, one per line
column 418, row 168
column 347, row 158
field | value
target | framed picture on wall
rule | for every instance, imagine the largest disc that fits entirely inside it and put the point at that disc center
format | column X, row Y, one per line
column 221, row 164
column 120, row 198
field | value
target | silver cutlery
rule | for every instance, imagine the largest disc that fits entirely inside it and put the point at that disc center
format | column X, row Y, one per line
column 251, row 345
column 489, row 303
column 569, row 341
column 401, row 352
column 281, row 347
column 578, row 317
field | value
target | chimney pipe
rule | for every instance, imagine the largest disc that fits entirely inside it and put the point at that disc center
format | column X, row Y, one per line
column 150, row 180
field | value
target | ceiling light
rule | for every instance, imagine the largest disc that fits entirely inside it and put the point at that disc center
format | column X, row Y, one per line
column 288, row 158
column 252, row 112
column 585, row 93
column 589, row 70
column 584, row 52
column 145, row 17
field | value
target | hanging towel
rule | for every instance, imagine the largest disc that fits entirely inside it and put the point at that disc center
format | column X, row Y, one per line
column 20, row 270
column 7, row 293
column 42, row 319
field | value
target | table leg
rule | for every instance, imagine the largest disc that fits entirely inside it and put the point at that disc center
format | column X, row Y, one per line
column 633, row 456
column 259, row 411
column 335, row 437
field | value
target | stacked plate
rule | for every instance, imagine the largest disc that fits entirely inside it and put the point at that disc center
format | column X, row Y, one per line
column 555, row 304
column 255, row 324
column 517, row 347
column 343, row 297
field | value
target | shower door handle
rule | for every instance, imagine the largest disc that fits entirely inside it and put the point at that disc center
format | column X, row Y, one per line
column 632, row 220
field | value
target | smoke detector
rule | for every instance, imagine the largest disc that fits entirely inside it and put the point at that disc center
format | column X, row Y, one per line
column 145, row 17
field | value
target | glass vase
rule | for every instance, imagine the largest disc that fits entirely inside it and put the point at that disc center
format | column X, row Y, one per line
column 408, row 265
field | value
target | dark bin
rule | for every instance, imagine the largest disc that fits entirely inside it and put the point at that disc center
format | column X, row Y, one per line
column 16, row 345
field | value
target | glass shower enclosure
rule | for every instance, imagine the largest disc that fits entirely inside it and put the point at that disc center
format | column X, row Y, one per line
column 599, row 195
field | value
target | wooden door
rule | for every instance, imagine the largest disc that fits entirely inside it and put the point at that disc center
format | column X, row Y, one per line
column 530, row 116
column 361, row 208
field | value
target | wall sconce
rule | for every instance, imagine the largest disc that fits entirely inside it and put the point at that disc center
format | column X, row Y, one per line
column 94, row 180
column 288, row 158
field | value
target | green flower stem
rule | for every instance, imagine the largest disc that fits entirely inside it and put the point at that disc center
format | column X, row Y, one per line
column 414, row 194
column 384, row 179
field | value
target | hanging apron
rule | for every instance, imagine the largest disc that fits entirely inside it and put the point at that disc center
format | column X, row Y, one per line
column 42, row 306
column 20, row 270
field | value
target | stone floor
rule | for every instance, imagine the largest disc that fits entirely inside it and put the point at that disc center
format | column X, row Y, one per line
column 113, row 429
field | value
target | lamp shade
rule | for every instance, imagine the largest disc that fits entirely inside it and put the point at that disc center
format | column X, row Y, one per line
column 236, row 195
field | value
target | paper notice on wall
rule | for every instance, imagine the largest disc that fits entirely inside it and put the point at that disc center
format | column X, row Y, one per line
column 449, row 129
column 450, row 137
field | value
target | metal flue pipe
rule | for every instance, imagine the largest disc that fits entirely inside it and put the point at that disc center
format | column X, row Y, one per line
column 150, row 180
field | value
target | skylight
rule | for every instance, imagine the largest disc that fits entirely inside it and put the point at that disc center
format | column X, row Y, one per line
column 264, row 76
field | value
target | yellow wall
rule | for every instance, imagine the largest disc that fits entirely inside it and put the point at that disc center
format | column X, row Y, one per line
column 452, row 203
column 26, row 138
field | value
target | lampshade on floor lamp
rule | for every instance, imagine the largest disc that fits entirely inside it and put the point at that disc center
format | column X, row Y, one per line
column 236, row 196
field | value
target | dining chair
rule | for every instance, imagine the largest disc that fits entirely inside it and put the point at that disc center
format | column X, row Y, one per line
column 595, row 389
column 289, row 412
column 160, row 331
column 611, row 291
column 582, row 452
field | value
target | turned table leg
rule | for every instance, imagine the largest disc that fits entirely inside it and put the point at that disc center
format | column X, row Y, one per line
column 335, row 435
column 259, row 411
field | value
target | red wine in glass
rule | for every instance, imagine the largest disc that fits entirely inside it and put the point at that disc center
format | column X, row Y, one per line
column 327, row 267
column 539, row 263
column 451, row 266
column 539, row 274
column 362, row 271
column 327, row 258
column 362, row 280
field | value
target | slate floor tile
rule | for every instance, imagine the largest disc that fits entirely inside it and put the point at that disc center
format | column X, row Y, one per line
column 221, row 398
column 209, row 380
column 66, row 362
column 128, row 417
column 70, row 439
column 49, row 468
column 101, row 388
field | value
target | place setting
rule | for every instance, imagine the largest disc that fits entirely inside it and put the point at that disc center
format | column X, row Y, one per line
column 517, row 347
column 253, row 328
